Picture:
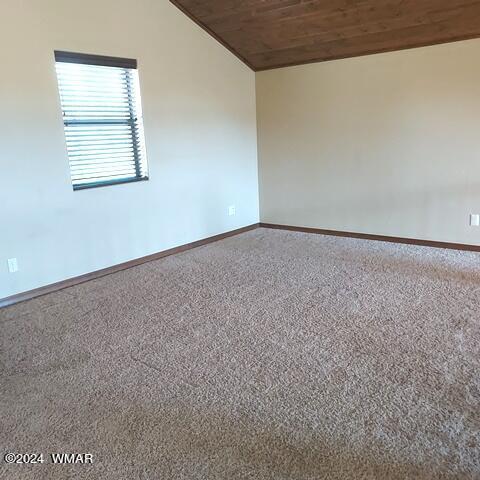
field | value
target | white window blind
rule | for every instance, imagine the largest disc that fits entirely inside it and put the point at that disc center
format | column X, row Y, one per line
column 102, row 116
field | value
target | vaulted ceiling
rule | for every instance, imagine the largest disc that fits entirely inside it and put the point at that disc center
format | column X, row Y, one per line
column 276, row 33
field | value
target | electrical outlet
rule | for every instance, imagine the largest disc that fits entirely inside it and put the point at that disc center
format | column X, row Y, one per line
column 231, row 210
column 474, row 220
column 12, row 265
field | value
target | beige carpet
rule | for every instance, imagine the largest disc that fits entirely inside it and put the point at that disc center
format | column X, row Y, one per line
column 270, row 355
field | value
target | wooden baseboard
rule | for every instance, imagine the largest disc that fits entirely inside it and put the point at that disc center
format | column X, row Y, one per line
column 381, row 238
column 20, row 297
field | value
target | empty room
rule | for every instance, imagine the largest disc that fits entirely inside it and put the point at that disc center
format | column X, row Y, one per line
column 240, row 240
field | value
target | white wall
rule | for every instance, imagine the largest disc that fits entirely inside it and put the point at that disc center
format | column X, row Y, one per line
column 385, row 144
column 200, row 129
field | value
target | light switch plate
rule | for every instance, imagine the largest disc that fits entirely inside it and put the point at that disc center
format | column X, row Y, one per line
column 474, row 220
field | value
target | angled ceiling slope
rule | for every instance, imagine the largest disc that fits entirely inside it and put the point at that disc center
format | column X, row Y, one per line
column 269, row 34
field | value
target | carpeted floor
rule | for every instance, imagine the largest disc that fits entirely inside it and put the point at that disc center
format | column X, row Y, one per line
column 269, row 355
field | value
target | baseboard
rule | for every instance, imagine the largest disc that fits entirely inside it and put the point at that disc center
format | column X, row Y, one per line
column 381, row 238
column 21, row 297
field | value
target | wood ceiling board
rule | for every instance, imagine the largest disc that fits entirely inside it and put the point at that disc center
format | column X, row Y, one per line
column 269, row 34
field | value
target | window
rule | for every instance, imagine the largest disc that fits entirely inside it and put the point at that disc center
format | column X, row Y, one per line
column 102, row 117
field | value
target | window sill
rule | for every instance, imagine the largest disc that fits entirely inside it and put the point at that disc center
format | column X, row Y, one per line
column 109, row 183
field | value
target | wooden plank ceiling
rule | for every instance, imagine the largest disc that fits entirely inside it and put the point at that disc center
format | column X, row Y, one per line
column 276, row 33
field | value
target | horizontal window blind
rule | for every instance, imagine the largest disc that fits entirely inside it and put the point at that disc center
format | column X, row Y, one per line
column 102, row 116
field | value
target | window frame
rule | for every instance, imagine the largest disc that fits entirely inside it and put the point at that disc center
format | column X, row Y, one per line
column 117, row 62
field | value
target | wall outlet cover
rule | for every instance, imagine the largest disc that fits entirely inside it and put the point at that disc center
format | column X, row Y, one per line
column 231, row 210
column 475, row 220
column 12, row 265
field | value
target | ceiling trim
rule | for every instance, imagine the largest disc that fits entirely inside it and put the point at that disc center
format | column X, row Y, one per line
column 451, row 23
column 212, row 33
column 460, row 38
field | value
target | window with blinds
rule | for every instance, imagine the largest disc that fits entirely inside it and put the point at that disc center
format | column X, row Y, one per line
column 102, row 117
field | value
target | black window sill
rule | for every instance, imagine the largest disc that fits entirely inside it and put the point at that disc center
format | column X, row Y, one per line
column 109, row 183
